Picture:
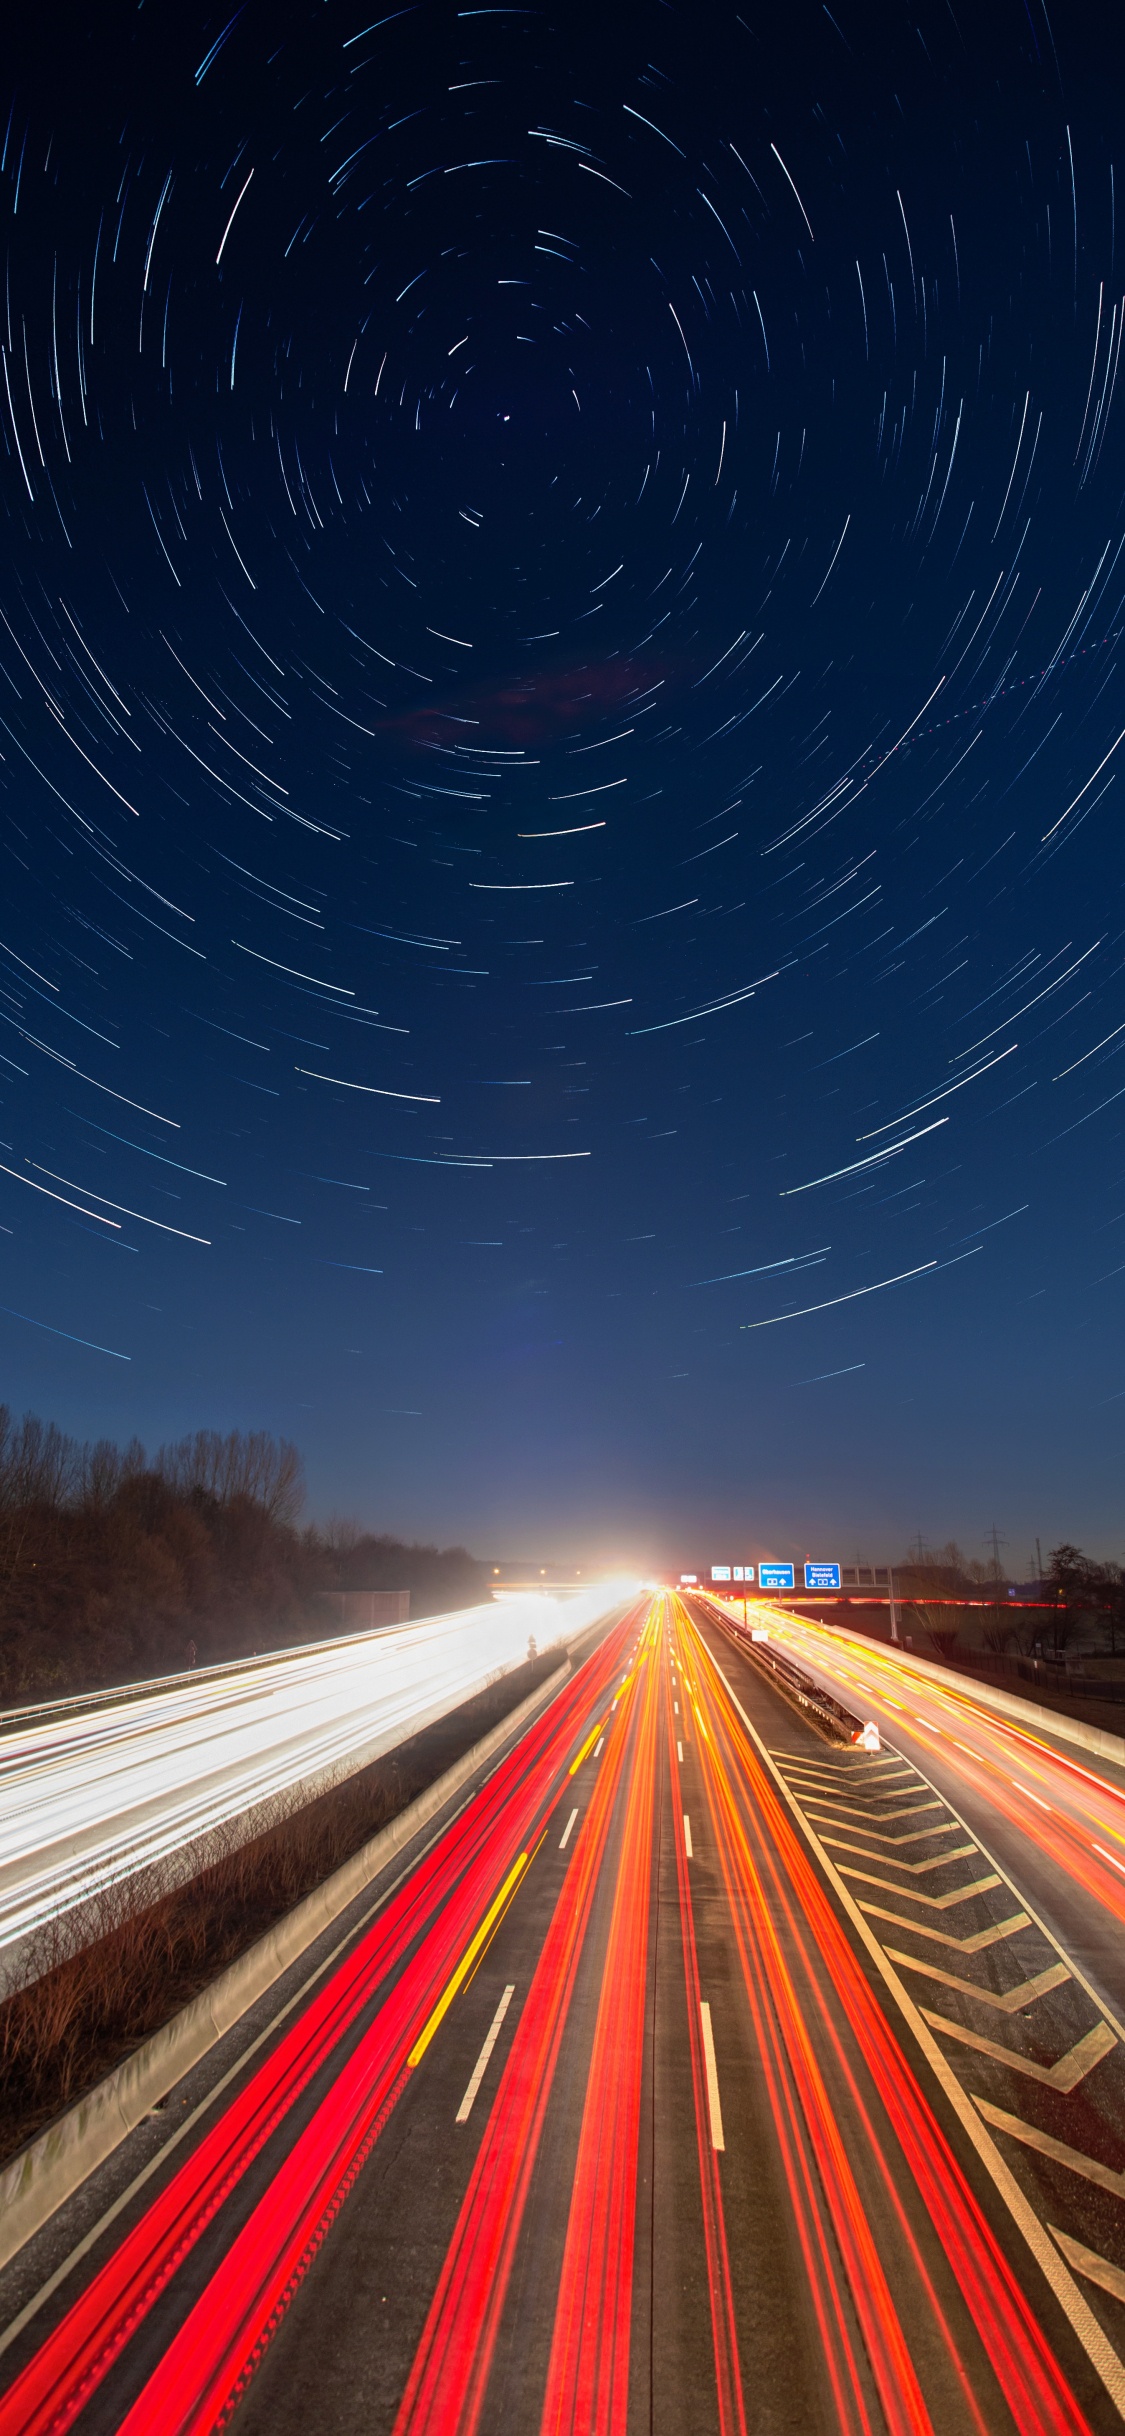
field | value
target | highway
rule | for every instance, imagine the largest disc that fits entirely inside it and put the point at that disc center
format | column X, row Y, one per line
column 92, row 1797
column 700, row 2075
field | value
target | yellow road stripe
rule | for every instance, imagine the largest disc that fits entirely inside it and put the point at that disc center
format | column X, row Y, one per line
column 467, row 1960
column 588, row 1745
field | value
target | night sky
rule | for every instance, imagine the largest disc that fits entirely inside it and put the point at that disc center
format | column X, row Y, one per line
column 561, row 617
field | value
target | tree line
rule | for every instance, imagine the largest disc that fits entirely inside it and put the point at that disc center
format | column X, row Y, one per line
column 116, row 1565
column 1079, row 1599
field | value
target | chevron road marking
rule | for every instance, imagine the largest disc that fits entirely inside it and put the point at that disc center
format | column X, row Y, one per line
column 964, row 1945
column 914, row 1811
column 1016, row 1998
column 935, row 1903
column 811, row 1774
column 1065, row 2075
column 918, row 1869
column 976, row 2121
column 920, row 1836
column 1091, row 2168
column 1087, row 2262
column 870, row 1767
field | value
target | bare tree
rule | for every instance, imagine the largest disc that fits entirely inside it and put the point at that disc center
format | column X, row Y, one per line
column 251, row 1464
column 39, row 1465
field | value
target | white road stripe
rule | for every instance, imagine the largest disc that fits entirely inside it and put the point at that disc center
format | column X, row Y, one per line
column 466, row 2106
column 714, row 2107
column 598, row 1744
column 564, row 1839
column 680, row 1753
column 687, row 1836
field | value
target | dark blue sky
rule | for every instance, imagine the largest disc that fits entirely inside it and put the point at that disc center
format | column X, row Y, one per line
column 560, row 692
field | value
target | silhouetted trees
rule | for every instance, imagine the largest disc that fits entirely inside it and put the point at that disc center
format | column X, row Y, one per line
column 114, row 1567
column 1086, row 1595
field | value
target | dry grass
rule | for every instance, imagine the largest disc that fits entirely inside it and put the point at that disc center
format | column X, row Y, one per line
column 86, row 2011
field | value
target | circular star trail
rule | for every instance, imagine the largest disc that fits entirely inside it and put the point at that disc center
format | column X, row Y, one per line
column 559, row 723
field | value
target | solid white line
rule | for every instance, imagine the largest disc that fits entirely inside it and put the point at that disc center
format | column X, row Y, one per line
column 716, row 2112
column 466, row 2106
column 564, row 1839
column 687, row 1836
column 680, row 1753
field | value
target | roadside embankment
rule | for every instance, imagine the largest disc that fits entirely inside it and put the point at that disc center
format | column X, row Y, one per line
column 77, row 2020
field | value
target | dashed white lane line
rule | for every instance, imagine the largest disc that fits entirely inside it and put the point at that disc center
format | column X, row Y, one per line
column 687, row 1837
column 598, row 1744
column 680, row 1753
column 564, row 1839
column 713, row 2105
column 480, row 2067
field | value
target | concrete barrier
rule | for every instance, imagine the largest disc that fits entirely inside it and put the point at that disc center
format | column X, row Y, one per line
column 51, row 2168
column 1007, row 1704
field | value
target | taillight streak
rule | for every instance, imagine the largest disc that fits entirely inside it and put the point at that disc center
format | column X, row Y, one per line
column 1027, row 2372
column 588, row 2375
column 437, row 1903
column 446, row 2389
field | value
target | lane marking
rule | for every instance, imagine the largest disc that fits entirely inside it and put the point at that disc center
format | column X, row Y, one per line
column 810, row 1768
column 821, row 1802
column 964, row 1945
column 971, row 2111
column 598, row 1745
column 680, row 1753
column 713, row 2105
column 351, row 1937
column 918, row 1869
column 1065, row 2075
column 921, row 1835
column 564, row 1839
column 909, row 1894
column 480, row 2067
column 1014, row 2002
column 468, row 1958
column 687, row 1837
column 1091, row 2168
column 587, row 1747
column 1087, row 2262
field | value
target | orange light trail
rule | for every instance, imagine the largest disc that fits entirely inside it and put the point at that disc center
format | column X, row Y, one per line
column 446, row 2388
column 588, row 2375
column 1085, row 1813
column 728, row 2375
column 1029, row 2376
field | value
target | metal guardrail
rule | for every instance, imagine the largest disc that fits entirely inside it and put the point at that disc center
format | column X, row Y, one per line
column 822, row 1709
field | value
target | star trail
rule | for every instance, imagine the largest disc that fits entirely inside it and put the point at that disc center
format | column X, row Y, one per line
column 560, row 745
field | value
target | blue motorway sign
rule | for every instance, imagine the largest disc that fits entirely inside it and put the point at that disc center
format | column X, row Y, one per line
column 775, row 1577
column 720, row 1573
column 822, row 1577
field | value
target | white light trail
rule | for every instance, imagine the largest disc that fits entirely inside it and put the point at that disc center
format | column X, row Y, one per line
column 92, row 1796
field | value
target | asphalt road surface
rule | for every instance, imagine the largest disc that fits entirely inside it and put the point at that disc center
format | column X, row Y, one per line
column 701, row 2076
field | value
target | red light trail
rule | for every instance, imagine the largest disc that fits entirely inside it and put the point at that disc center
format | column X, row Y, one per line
column 728, row 1945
